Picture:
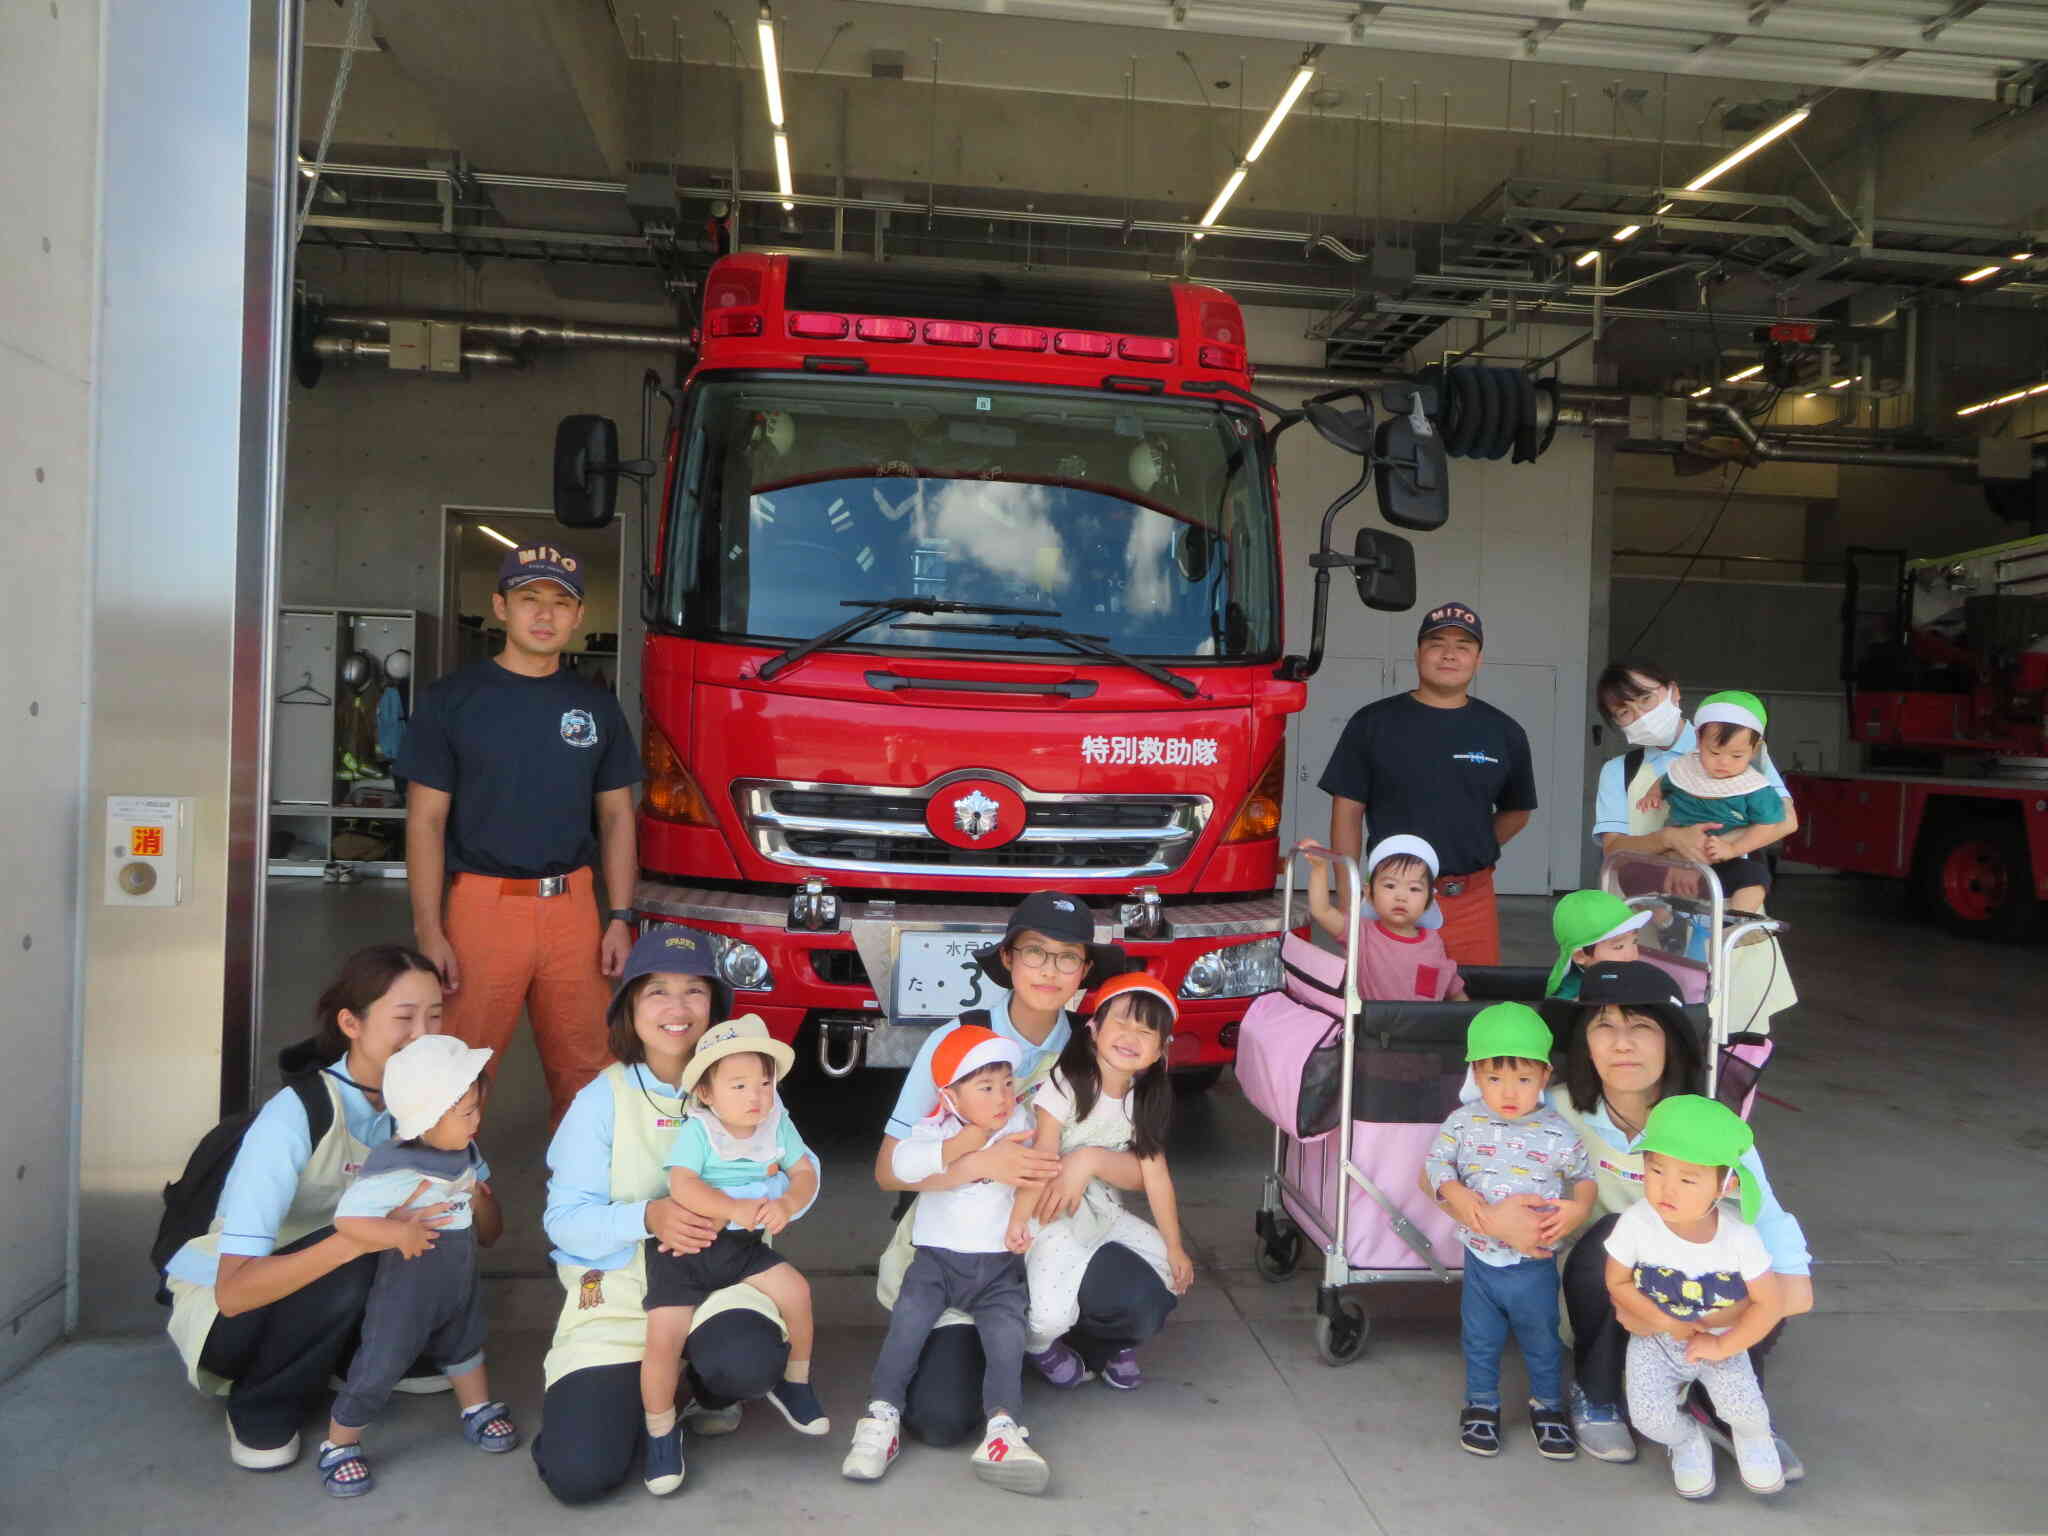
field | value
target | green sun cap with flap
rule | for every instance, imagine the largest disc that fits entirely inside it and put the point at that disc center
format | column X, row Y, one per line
column 1586, row 918
column 1508, row 1029
column 1703, row 1131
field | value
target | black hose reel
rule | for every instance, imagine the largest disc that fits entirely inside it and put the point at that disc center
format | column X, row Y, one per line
column 1490, row 413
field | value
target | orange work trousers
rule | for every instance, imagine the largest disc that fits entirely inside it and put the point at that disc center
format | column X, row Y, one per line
column 516, row 949
column 1471, row 921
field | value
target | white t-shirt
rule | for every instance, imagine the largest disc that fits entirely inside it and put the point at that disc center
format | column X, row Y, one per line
column 1107, row 1123
column 1687, row 1280
column 971, row 1218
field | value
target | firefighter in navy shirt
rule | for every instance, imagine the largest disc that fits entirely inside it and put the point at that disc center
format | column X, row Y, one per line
column 507, row 759
column 1443, row 766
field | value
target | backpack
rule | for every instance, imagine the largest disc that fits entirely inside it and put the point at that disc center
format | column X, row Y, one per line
column 192, row 1199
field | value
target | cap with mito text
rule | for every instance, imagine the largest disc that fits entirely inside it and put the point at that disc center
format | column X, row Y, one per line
column 1451, row 616
column 528, row 563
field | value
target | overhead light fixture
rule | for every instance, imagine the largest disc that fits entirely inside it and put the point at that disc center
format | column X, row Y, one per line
column 1628, row 233
column 1810, row 394
column 2010, row 397
column 1981, row 273
column 1304, row 72
column 1704, row 389
column 1587, row 260
column 782, row 175
column 1769, row 136
column 771, row 81
column 1748, row 373
column 491, row 533
column 1845, row 383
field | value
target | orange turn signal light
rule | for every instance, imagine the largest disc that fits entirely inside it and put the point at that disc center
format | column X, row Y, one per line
column 669, row 792
column 1259, row 817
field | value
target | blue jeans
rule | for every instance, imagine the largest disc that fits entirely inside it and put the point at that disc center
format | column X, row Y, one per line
column 1523, row 1297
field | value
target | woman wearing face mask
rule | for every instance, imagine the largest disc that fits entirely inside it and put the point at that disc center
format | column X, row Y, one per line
column 1640, row 699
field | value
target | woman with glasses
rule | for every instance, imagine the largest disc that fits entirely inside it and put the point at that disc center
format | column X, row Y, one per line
column 1046, row 956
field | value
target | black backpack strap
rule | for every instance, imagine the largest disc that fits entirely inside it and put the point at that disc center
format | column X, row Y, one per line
column 317, row 1099
column 1631, row 765
column 976, row 1018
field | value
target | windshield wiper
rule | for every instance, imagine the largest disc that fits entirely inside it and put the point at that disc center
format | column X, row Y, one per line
column 873, row 610
column 1094, row 645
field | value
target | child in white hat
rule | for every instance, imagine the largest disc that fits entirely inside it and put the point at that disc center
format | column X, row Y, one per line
column 1401, row 954
column 737, row 1158
column 421, row 1202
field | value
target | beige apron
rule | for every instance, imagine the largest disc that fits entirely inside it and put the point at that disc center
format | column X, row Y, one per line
column 604, row 1321
column 1758, row 983
column 895, row 1260
column 327, row 1174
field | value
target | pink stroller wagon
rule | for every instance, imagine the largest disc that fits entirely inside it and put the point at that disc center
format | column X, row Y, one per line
column 1314, row 1057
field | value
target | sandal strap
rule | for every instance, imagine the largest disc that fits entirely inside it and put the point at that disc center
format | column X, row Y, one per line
column 483, row 1413
column 334, row 1457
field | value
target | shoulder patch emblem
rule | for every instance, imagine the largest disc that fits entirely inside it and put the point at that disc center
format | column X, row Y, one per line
column 578, row 728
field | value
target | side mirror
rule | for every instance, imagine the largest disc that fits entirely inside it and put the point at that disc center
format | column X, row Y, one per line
column 1193, row 552
column 1348, row 430
column 586, row 471
column 1384, row 565
column 1414, row 482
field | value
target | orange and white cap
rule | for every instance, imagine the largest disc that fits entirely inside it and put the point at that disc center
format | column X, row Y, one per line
column 1133, row 981
column 969, row 1048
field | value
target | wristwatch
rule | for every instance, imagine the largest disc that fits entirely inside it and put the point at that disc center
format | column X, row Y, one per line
column 624, row 915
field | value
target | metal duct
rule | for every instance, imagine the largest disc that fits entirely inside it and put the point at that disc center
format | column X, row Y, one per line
column 351, row 349
column 1284, row 376
column 1763, row 448
column 518, row 330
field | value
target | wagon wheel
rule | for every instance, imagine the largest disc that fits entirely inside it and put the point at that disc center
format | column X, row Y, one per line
column 1341, row 1339
column 1276, row 1260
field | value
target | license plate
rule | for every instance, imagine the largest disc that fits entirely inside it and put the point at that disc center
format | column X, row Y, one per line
column 937, row 976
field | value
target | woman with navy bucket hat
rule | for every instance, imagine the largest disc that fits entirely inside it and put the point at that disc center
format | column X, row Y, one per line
column 607, row 1196
column 1045, row 958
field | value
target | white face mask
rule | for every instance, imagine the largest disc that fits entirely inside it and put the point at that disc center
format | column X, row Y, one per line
column 1657, row 727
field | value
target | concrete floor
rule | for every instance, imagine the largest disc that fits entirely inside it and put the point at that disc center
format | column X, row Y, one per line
column 1904, row 1124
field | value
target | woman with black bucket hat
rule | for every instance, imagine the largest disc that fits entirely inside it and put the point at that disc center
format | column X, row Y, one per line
column 1045, row 958
column 1629, row 1045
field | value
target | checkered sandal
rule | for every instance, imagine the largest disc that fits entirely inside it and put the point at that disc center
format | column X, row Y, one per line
column 345, row 1471
column 488, row 1429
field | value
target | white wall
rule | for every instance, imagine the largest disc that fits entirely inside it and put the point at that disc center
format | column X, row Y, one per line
column 1518, row 547
column 49, row 98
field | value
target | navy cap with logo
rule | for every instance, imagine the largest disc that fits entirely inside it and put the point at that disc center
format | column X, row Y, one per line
column 1451, row 616
column 1059, row 916
column 529, row 563
column 679, row 951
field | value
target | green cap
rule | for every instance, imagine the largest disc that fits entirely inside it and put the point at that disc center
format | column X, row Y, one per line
column 1700, row 1130
column 1734, row 707
column 1508, row 1029
column 1583, row 919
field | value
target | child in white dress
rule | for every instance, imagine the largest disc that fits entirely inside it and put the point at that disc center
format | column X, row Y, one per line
column 1110, row 1092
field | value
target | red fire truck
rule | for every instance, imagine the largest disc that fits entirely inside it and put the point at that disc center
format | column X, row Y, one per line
column 960, row 585
column 1945, row 664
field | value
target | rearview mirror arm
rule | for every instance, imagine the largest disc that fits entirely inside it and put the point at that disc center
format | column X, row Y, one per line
column 1299, row 669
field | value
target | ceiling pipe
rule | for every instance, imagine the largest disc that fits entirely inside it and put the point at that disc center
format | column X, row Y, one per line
column 1287, row 376
column 355, row 349
column 518, row 330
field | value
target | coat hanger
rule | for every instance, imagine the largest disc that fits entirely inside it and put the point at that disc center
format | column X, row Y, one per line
column 305, row 686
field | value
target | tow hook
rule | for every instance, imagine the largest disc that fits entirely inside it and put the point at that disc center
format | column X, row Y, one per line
column 847, row 1033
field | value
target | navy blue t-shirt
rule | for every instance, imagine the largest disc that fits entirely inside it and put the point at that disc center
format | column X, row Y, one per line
column 1436, row 774
column 524, row 758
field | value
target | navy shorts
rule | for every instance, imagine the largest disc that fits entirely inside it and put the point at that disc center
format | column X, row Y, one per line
column 686, row 1279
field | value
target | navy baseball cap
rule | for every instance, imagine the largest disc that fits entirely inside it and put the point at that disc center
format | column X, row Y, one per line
column 1451, row 616
column 1059, row 916
column 540, row 562
column 679, row 951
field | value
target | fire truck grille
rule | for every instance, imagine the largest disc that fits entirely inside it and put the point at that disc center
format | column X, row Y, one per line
column 882, row 830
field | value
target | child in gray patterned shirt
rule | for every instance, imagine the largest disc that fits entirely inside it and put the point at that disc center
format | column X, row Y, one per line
column 1512, row 1143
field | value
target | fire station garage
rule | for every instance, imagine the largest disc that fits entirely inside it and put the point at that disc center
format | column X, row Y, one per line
column 560, row 527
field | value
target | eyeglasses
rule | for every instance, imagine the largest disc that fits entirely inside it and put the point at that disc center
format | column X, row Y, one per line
column 1066, row 962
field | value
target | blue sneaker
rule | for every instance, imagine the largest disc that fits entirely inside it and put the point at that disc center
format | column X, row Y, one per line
column 796, row 1402
column 1602, row 1431
column 663, row 1469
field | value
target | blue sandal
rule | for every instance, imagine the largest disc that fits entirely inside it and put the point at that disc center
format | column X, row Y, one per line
column 345, row 1471
column 487, row 1427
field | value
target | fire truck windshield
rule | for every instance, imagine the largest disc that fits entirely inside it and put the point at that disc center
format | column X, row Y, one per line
column 1139, row 521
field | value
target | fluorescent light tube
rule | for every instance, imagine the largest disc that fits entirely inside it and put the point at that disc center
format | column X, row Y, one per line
column 1727, row 163
column 1278, row 115
column 1979, row 275
column 1748, row 373
column 489, row 532
column 782, row 175
column 1222, row 198
column 771, row 72
column 1587, row 260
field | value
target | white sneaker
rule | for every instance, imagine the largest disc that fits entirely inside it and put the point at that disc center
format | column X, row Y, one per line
column 711, row 1421
column 1692, row 1464
column 1004, row 1459
column 876, row 1440
column 1757, row 1458
column 250, row 1459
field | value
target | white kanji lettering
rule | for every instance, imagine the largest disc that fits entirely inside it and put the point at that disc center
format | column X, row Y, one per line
column 1206, row 755
column 1094, row 749
column 1176, row 753
column 1123, row 749
column 1151, row 750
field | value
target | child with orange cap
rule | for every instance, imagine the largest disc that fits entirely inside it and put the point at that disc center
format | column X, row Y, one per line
column 963, row 1261
column 1110, row 1090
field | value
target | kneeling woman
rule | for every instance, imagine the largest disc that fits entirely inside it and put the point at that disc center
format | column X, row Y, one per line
column 265, row 1307
column 607, row 1195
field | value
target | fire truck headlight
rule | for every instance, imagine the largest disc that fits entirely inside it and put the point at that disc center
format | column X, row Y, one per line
column 743, row 967
column 1238, row 970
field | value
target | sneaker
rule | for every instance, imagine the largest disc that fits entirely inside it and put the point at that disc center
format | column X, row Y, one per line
column 1692, row 1465
column 1060, row 1364
column 1552, row 1428
column 1479, row 1429
column 703, row 1419
column 1788, row 1459
column 876, row 1440
column 1756, row 1456
column 250, row 1459
column 1601, row 1430
column 663, row 1468
column 797, row 1403
column 1005, row 1460
column 1121, row 1371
